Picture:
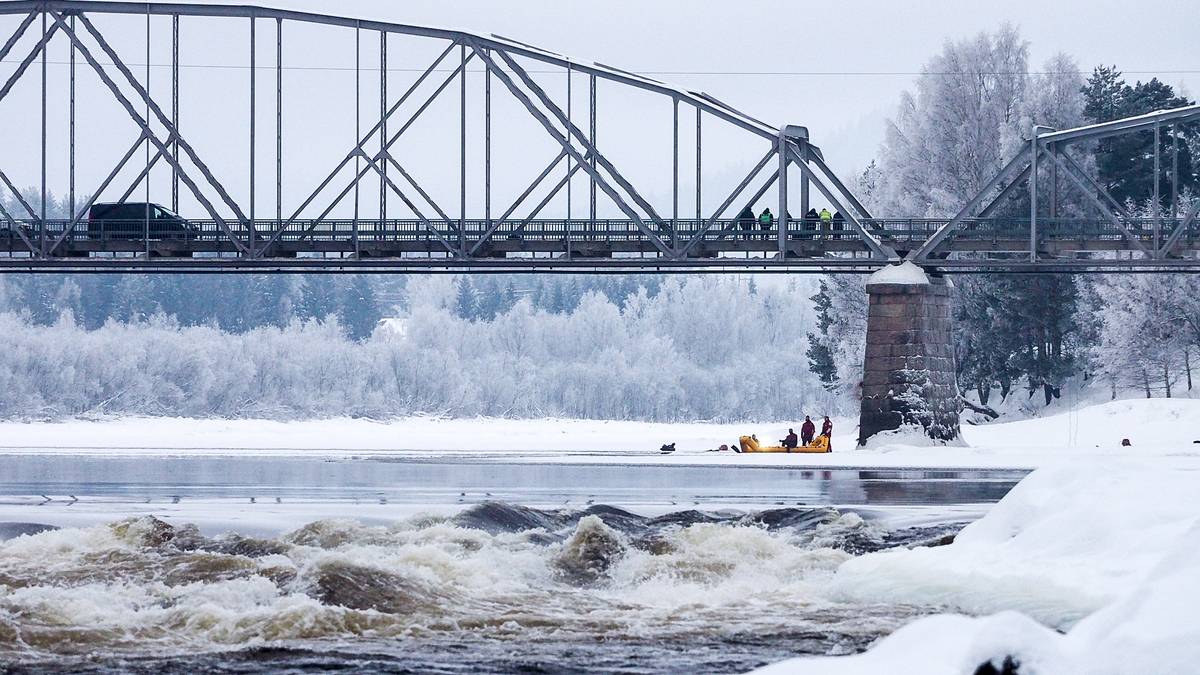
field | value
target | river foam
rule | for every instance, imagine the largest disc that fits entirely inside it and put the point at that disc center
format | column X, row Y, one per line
column 497, row 579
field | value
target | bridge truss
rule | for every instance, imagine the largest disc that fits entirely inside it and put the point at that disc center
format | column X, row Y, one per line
column 428, row 233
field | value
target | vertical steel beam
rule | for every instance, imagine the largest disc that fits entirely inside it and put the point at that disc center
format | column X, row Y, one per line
column 146, row 210
column 592, row 158
column 462, row 146
column 487, row 148
column 1053, row 181
column 1033, row 195
column 42, row 224
column 1174, row 170
column 570, row 161
column 699, row 179
column 358, row 171
column 253, row 126
column 71, row 131
column 383, row 97
column 1157, row 196
column 804, row 207
column 782, row 218
column 278, row 122
column 174, row 107
column 675, row 163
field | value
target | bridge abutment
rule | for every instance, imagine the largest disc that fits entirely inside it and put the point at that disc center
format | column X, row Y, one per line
column 908, row 371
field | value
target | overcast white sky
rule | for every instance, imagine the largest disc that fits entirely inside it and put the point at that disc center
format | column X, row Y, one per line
column 835, row 67
column 844, row 112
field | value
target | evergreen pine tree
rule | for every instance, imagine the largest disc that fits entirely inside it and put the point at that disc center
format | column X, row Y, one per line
column 465, row 305
column 359, row 311
column 820, row 356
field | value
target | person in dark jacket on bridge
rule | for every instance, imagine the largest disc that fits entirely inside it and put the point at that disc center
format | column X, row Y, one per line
column 812, row 222
column 839, row 225
column 807, row 430
column 745, row 220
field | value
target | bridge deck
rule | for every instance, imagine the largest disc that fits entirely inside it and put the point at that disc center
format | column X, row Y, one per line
column 990, row 243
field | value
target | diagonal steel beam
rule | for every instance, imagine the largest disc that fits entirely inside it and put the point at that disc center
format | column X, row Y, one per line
column 1087, row 193
column 163, row 118
column 416, row 186
column 17, row 34
column 524, row 195
column 948, row 230
column 420, row 216
column 1116, row 206
column 145, row 126
column 1007, row 192
column 20, row 198
column 365, row 170
column 583, row 139
column 562, row 182
column 875, row 246
column 361, row 143
column 145, row 171
column 112, row 175
column 27, row 61
column 1178, row 231
column 16, row 227
column 815, row 158
column 729, row 200
column 570, row 149
column 754, row 198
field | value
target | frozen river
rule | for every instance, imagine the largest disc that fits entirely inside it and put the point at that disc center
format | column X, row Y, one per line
column 224, row 564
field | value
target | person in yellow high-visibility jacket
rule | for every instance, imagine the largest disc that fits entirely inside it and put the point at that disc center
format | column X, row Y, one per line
column 826, row 222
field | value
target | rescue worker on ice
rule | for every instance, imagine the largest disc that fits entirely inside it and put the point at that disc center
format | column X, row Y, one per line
column 790, row 441
column 826, row 221
column 807, row 430
column 827, row 431
column 765, row 220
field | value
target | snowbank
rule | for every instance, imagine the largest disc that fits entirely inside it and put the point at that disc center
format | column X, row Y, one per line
column 904, row 273
column 1110, row 554
column 1162, row 428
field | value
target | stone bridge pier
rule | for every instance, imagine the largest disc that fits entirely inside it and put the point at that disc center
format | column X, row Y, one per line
column 908, row 372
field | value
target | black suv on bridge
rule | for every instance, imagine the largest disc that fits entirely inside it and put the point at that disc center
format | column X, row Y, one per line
column 131, row 220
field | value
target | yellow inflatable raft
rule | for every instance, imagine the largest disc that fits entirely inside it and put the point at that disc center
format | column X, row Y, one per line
column 750, row 444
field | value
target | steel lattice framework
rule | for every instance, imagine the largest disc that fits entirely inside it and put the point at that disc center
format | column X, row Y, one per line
column 229, row 235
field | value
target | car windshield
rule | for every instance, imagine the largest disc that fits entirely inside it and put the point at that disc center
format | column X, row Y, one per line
column 165, row 213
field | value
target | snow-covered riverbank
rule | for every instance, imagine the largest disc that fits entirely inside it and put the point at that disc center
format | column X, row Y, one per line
column 1109, row 555
column 1164, row 428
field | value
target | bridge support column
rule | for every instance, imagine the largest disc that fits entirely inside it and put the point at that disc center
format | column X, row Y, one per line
column 908, row 372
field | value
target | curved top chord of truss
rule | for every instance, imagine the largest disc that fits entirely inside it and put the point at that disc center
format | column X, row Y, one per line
column 698, row 99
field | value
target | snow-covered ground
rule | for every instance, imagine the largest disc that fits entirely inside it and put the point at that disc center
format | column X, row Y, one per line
column 1080, row 569
column 1163, row 428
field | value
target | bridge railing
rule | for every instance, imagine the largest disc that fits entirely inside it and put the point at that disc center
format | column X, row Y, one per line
column 905, row 231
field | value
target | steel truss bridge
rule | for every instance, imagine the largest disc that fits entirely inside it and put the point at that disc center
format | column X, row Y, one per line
column 227, row 234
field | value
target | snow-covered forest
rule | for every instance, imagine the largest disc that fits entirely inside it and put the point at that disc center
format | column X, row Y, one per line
column 1112, row 334
column 692, row 348
column 645, row 347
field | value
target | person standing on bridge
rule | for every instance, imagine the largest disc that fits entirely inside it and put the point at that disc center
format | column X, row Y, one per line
column 807, row 430
column 839, row 225
column 746, row 220
column 765, row 220
column 826, row 222
column 812, row 221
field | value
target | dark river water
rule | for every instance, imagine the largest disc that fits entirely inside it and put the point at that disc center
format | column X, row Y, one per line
column 514, row 568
